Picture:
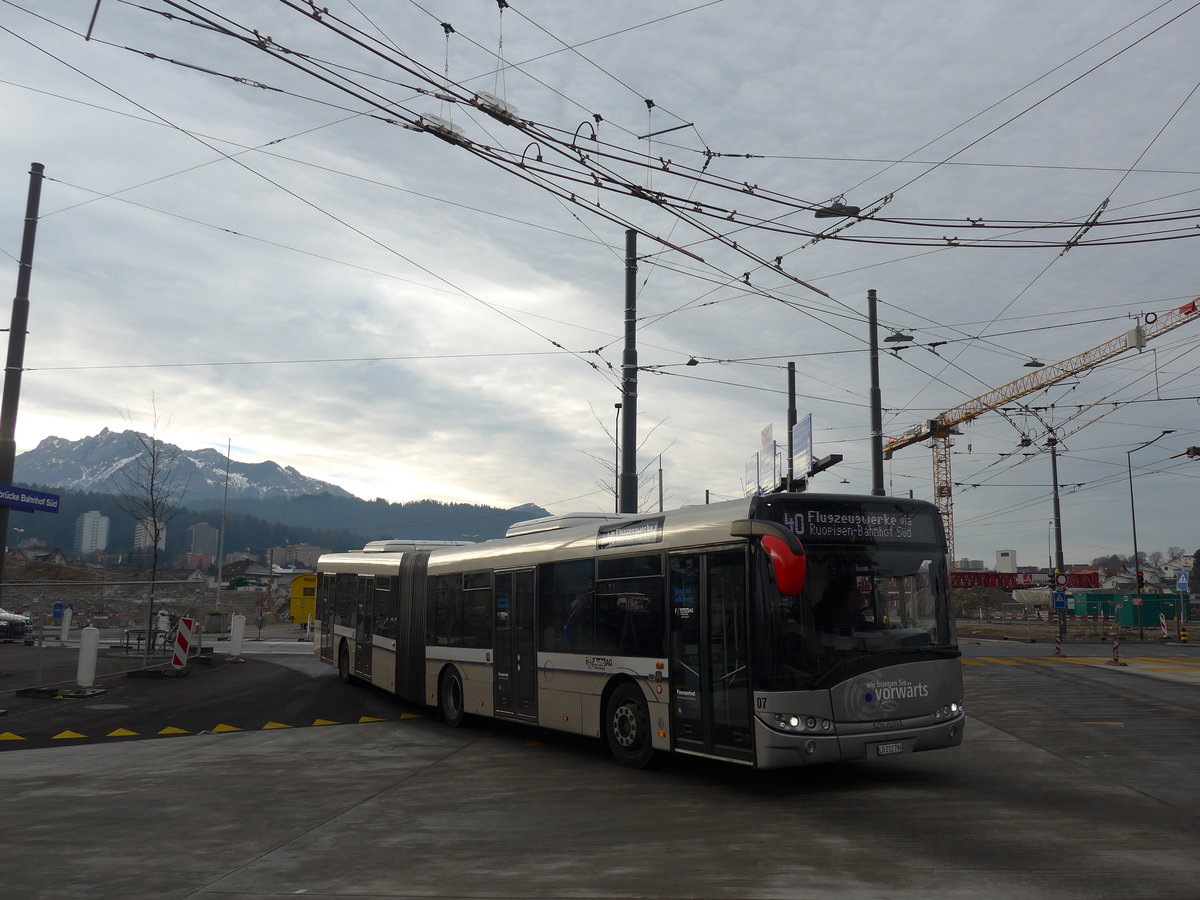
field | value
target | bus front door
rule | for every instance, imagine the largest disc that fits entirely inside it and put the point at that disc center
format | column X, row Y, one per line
column 515, row 666
column 710, row 686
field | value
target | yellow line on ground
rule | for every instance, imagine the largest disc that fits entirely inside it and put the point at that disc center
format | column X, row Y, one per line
column 1106, row 724
column 68, row 736
column 271, row 725
column 972, row 662
column 122, row 732
column 9, row 736
column 171, row 729
column 364, row 719
column 998, row 661
column 223, row 728
column 325, row 722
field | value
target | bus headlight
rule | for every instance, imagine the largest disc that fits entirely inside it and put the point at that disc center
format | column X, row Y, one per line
column 802, row 724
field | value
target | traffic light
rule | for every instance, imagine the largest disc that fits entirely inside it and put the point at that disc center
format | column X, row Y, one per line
column 1141, row 580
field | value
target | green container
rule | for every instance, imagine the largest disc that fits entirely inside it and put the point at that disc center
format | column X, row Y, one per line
column 1129, row 614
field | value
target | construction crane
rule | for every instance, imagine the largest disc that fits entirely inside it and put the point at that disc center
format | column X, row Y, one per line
column 941, row 429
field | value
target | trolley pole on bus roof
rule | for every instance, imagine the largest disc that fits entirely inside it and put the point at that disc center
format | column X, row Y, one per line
column 628, row 477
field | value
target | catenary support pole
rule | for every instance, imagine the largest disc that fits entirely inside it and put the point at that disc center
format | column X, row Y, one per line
column 876, row 401
column 16, row 349
column 629, row 385
column 791, row 426
column 1059, row 565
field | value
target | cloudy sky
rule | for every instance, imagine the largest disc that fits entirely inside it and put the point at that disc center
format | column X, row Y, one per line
column 248, row 225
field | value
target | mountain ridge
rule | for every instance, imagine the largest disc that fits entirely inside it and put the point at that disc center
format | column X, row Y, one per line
column 102, row 462
column 268, row 504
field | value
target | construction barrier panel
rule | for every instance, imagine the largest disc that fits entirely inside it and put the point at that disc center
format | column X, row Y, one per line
column 183, row 642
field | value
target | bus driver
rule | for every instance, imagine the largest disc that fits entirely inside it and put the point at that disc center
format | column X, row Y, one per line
column 841, row 607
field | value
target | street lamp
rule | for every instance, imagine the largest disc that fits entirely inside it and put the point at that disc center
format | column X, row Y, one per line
column 1137, row 565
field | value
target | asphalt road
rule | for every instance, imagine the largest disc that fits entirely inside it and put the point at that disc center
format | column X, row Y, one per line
column 1076, row 780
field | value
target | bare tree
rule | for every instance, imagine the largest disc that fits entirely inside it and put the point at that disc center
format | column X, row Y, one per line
column 151, row 494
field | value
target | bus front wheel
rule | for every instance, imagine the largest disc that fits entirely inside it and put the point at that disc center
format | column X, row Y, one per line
column 450, row 699
column 627, row 727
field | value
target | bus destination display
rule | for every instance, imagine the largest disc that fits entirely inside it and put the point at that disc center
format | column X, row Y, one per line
column 854, row 525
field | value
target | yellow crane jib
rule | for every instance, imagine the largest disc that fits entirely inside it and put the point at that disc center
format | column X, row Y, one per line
column 1134, row 339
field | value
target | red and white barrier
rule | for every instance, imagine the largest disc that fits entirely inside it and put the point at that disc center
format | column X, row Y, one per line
column 183, row 640
column 1162, row 623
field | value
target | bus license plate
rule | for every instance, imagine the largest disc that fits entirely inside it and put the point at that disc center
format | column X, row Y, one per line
column 889, row 749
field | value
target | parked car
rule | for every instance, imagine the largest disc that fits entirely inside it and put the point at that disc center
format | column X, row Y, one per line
column 15, row 627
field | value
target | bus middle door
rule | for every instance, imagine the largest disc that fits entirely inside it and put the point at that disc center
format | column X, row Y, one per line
column 516, row 659
column 364, row 623
column 710, row 687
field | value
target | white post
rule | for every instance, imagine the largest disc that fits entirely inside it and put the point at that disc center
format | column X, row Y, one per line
column 237, row 633
column 89, row 649
column 65, row 629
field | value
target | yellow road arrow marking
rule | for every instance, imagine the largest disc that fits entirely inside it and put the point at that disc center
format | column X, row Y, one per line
column 223, row 728
column 67, row 736
column 171, row 729
column 275, row 725
column 122, row 732
column 9, row 736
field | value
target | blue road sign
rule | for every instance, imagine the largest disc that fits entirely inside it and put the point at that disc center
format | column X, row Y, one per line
column 1060, row 599
column 1181, row 584
column 30, row 501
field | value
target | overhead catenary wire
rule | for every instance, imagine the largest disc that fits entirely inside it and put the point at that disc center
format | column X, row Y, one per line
column 965, row 339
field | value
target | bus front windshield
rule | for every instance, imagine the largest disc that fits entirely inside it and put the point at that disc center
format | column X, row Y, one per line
column 861, row 607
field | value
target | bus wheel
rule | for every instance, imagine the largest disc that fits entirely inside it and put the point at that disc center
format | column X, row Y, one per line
column 344, row 665
column 627, row 727
column 450, row 698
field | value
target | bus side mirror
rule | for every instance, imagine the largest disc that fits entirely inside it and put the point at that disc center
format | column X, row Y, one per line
column 790, row 567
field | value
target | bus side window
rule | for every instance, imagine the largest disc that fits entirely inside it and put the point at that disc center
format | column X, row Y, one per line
column 344, row 601
column 385, row 606
column 565, row 606
column 477, row 611
column 629, row 617
column 445, row 592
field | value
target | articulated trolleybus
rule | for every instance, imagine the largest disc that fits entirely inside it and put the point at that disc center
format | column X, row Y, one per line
column 779, row 630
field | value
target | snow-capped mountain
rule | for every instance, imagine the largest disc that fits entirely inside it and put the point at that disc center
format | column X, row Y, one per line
column 105, row 462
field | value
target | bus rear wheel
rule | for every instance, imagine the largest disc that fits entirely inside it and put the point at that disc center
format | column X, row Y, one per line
column 627, row 727
column 344, row 665
column 450, row 698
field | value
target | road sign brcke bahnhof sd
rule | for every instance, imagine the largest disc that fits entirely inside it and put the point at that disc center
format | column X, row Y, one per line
column 30, row 501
